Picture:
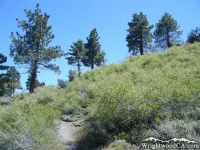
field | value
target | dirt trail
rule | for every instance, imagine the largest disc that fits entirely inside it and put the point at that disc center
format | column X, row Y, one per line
column 66, row 132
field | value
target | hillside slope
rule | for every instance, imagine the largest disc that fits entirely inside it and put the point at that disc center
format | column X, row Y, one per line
column 152, row 95
column 144, row 91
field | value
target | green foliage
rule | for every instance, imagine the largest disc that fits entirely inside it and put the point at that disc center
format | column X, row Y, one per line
column 36, row 84
column 72, row 75
column 153, row 95
column 93, row 54
column 3, row 85
column 92, row 136
column 31, row 49
column 3, row 59
column 193, row 36
column 14, row 79
column 121, row 135
column 26, row 125
column 76, row 53
column 45, row 100
column 3, row 77
column 17, row 96
column 62, row 83
column 69, row 109
column 68, row 99
column 121, row 144
column 4, row 101
column 139, row 36
column 134, row 98
column 166, row 33
column 188, row 127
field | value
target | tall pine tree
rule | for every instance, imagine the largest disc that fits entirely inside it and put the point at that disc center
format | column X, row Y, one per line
column 166, row 33
column 14, row 79
column 93, row 55
column 31, row 49
column 139, row 36
column 76, row 54
column 3, row 76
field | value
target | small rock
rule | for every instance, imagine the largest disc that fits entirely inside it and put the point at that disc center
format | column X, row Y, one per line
column 67, row 118
column 85, row 112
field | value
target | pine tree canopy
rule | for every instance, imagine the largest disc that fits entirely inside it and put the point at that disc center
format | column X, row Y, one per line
column 76, row 54
column 166, row 33
column 139, row 36
column 3, row 76
column 14, row 79
column 31, row 49
column 194, row 35
column 3, row 59
column 93, row 55
column 72, row 75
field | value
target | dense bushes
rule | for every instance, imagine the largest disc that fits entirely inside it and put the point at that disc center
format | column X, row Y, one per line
column 144, row 90
column 27, row 125
column 27, row 121
column 152, row 95
column 185, row 125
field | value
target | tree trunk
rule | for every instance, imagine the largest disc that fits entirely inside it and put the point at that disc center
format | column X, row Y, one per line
column 13, row 90
column 92, row 65
column 79, row 69
column 33, row 77
column 168, row 42
column 34, row 68
column 92, row 62
column 10, row 92
column 141, row 50
column 141, row 46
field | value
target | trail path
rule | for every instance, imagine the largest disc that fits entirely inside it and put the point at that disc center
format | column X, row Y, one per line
column 66, row 131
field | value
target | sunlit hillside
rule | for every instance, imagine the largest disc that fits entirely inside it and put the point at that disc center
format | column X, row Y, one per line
column 155, row 95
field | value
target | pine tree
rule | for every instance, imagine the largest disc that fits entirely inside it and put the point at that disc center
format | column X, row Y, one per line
column 14, row 79
column 62, row 83
column 76, row 54
column 72, row 75
column 139, row 36
column 166, row 33
column 93, row 55
column 3, row 76
column 194, row 35
column 37, row 83
column 31, row 49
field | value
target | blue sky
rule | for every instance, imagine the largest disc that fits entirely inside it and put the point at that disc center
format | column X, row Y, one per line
column 73, row 20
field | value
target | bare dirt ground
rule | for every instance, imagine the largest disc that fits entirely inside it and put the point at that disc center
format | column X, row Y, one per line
column 66, row 133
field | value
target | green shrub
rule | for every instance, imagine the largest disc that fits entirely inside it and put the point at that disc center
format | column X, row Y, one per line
column 27, row 125
column 121, row 144
column 177, row 129
column 121, row 135
column 4, row 101
column 125, row 100
column 144, row 90
column 92, row 135
column 45, row 100
column 194, row 113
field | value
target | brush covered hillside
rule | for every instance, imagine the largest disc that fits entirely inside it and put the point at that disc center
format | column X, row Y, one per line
column 155, row 95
